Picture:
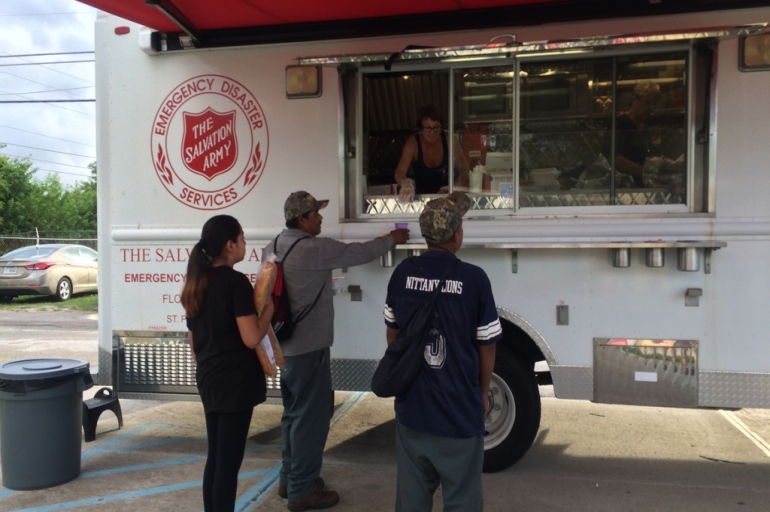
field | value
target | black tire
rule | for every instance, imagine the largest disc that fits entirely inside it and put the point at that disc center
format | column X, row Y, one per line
column 514, row 417
column 6, row 298
column 64, row 289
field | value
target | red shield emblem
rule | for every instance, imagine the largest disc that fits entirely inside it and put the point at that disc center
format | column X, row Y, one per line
column 209, row 145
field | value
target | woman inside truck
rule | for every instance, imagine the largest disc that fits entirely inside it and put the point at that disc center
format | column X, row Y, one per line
column 224, row 331
column 427, row 152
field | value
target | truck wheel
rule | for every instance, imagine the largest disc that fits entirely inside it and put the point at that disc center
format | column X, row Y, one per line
column 6, row 298
column 64, row 289
column 514, row 412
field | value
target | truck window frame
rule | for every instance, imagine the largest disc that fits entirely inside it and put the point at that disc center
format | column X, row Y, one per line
column 700, row 120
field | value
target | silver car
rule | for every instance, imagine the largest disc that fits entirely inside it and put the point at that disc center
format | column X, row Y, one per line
column 60, row 270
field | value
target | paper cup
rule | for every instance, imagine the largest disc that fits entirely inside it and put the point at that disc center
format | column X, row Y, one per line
column 476, row 180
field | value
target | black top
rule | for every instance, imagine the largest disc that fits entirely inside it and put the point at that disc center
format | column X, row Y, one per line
column 229, row 375
column 630, row 142
column 428, row 180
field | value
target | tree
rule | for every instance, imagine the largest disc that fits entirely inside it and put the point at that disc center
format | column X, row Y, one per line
column 16, row 185
column 27, row 203
column 82, row 201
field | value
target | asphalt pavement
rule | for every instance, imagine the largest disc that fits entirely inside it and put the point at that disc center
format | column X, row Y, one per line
column 586, row 457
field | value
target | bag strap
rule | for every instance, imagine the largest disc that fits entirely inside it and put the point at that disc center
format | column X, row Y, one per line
column 275, row 246
column 307, row 311
column 443, row 278
column 431, row 303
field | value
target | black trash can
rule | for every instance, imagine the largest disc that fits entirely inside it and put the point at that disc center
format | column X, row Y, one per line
column 41, row 404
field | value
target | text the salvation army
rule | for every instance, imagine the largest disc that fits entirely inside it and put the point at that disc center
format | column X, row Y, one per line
column 166, row 254
column 216, row 143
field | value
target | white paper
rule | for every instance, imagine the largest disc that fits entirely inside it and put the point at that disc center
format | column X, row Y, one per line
column 268, row 349
column 646, row 377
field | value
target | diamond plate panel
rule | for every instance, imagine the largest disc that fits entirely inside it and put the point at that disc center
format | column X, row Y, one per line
column 646, row 372
column 274, row 383
column 734, row 389
column 147, row 366
column 353, row 374
column 573, row 382
column 161, row 365
column 105, row 370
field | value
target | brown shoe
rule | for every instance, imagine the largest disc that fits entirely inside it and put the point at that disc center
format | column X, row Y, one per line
column 283, row 492
column 319, row 499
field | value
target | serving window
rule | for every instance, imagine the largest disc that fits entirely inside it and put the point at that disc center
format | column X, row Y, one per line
column 600, row 132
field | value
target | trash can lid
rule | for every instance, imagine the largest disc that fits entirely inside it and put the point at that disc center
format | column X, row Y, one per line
column 24, row 369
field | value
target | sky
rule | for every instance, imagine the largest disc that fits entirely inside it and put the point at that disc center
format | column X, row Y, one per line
column 58, row 137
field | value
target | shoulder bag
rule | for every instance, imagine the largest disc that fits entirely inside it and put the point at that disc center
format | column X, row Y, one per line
column 398, row 368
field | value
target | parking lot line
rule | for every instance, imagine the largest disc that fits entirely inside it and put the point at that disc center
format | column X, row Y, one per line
column 141, row 493
column 253, row 496
column 746, row 431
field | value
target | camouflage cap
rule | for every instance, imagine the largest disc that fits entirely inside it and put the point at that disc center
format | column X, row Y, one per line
column 301, row 202
column 441, row 217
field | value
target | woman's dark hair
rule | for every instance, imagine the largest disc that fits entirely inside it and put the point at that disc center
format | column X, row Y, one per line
column 429, row 112
column 216, row 232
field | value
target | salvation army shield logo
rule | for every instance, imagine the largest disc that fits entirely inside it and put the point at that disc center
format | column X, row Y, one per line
column 209, row 142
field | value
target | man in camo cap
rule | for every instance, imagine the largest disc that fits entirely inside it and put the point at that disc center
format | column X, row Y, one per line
column 300, row 203
column 306, row 378
column 441, row 217
column 440, row 420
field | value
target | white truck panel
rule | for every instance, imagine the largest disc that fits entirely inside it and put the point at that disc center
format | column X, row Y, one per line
column 145, row 232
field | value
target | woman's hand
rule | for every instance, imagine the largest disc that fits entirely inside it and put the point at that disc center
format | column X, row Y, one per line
column 406, row 194
column 254, row 328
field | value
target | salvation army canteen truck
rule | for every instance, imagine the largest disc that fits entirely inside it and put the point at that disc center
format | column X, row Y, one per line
column 638, row 285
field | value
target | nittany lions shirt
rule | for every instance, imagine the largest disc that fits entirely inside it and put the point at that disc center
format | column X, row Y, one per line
column 445, row 400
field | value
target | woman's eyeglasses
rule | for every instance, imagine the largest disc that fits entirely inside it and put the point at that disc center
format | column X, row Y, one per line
column 431, row 128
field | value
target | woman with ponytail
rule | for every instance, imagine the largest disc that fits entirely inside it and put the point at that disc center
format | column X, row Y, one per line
column 224, row 330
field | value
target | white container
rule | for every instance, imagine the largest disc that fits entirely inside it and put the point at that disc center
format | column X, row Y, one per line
column 545, row 179
column 476, row 181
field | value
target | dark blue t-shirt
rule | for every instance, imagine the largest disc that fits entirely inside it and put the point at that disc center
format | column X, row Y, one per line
column 445, row 400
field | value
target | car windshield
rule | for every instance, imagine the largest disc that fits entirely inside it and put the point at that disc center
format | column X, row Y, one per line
column 26, row 253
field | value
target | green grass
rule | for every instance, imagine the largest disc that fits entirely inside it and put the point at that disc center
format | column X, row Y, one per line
column 80, row 302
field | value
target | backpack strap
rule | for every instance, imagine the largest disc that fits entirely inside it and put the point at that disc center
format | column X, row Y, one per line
column 443, row 278
column 430, row 303
column 275, row 246
column 307, row 311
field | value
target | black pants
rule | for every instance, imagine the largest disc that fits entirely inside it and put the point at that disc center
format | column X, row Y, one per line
column 227, row 433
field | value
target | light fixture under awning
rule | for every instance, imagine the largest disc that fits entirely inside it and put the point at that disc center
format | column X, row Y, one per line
column 536, row 48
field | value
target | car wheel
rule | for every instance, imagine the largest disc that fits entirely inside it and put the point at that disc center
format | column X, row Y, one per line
column 514, row 412
column 64, row 289
column 6, row 298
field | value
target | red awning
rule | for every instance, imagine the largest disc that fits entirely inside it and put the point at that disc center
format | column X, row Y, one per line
column 226, row 14
column 217, row 23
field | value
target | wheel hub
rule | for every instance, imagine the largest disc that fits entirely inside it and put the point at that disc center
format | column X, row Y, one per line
column 501, row 413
